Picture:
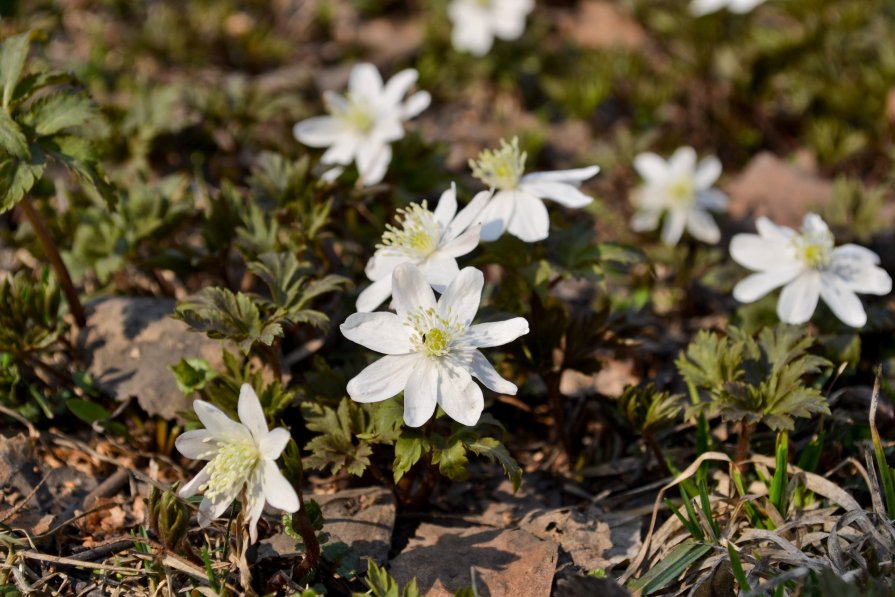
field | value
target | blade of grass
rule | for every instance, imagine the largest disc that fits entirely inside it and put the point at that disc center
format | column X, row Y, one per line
column 737, row 567
column 694, row 530
column 885, row 471
column 777, row 491
column 706, row 504
column 675, row 563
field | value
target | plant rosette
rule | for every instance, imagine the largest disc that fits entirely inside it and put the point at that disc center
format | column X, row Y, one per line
column 242, row 458
column 808, row 267
column 431, row 348
column 431, row 240
column 682, row 190
column 518, row 203
column 364, row 122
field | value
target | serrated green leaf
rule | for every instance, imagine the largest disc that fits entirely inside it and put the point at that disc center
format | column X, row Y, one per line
column 13, row 53
column 221, row 314
column 495, row 451
column 451, row 459
column 12, row 139
column 17, row 177
column 408, row 451
column 57, row 111
column 192, row 375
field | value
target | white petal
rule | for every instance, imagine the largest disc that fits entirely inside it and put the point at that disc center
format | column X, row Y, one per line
column 255, row 505
column 855, row 252
column 420, row 394
column 463, row 244
column 365, row 81
column 250, row 412
column 509, row 21
column 645, row 220
column 574, row 176
column 495, row 216
column 760, row 253
column 332, row 174
column 411, row 290
column 712, row 199
column 217, row 423
column 197, row 444
column 699, row 8
column 459, row 396
column 278, row 492
column 383, row 263
column 372, row 162
column 799, row 298
column 814, row 224
column 701, row 226
column 192, row 486
column 860, row 276
column 320, row 131
column 440, row 270
column 471, row 33
column 497, row 333
column 382, row 379
column 398, row 86
column 343, row 150
column 415, row 105
column 843, row 302
column 488, row 375
column 447, row 207
column 374, row 294
column 272, row 445
column 563, row 193
column 707, row 172
column 768, row 229
column 212, row 508
column 381, row 331
column 675, row 222
column 651, row 167
column 461, row 299
column 530, row 221
column 682, row 163
column 754, row 287
column 467, row 216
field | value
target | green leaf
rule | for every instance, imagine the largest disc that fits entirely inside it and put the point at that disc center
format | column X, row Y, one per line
column 408, row 451
column 12, row 139
column 495, row 451
column 192, row 375
column 87, row 411
column 60, row 110
column 17, row 177
column 451, row 458
column 13, row 53
column 335, row 447
column 672, row 566
column 223, row 315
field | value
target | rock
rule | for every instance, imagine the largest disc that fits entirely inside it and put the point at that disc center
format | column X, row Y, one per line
column 610, row 380
column 130, row 343
column 593, row 539
column 504, row 561
column 574, row 586
column 362, row 518
column 18, row 465
column 390, row 40
column 776, row 189
column 597, row 24
column 505, row 508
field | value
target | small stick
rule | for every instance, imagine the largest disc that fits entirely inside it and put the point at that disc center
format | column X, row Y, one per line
column 62, row 275
column 108, row 487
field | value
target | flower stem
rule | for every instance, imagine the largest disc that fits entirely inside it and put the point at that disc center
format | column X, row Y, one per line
column 743, row 442
column 302, row 523
column 62, row 275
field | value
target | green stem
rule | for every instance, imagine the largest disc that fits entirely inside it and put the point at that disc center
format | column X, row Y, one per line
column 62, row 275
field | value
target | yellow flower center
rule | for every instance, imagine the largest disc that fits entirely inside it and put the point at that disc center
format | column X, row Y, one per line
column 231, row 467
column 433, row 335
column 814, row 248
column 500, row 168
column 358, row 114
column 681, row 191
column 418, row 234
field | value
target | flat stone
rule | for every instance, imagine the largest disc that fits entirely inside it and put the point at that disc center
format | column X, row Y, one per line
column 593, row 539
column 131, row 342
column 611, row 380
column 504, row 561
column 598, row 24
column 782, row 191
column 362, row 518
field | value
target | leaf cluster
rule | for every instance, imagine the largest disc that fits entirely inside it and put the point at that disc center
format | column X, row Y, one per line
column 753, row 379
column 648, row 410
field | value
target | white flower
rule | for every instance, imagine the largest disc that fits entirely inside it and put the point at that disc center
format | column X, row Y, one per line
column 431, row 348
column 241, row 455
column 364, row 122
column 517, row 205
column 808, row 266
column 681, row 189
column 477, row 22
column 703, row 7
column 430, row 240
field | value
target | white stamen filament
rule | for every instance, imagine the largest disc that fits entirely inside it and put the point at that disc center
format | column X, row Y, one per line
column 500, row 168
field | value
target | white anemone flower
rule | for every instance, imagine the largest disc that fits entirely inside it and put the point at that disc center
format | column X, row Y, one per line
column 364, row 122
column 430, row 240
column 517, row 205
column 478, row 22
column 703, row 7
column 682, row 190
column 431, row 348
column 808, row 267
column 241, row 459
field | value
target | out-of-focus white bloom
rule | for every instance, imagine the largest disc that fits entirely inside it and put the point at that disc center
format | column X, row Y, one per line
column 478, row 22
column 241, row 456
column 364, row 122
column 682, row 190
column 430, row 240
column 704, row 7
column 517, row 205
column 808, row 267
column 431, row 348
